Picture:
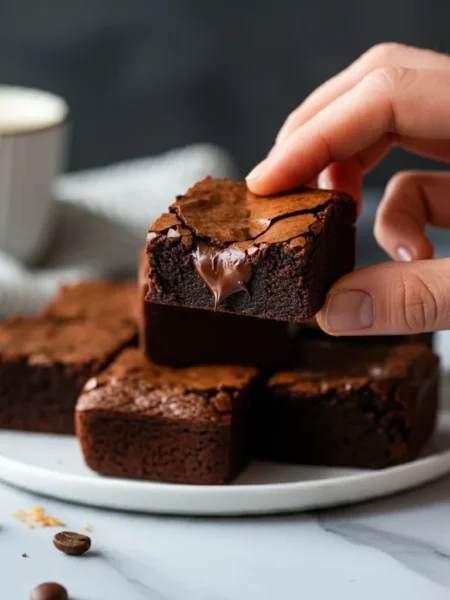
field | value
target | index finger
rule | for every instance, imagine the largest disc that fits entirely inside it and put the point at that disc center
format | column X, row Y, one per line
column 381, row 55
column 407, row 102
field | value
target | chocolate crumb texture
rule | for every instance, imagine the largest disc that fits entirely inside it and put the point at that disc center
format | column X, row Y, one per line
column 243, row 340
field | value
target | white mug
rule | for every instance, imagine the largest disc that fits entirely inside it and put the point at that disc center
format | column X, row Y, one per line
column 32, row 153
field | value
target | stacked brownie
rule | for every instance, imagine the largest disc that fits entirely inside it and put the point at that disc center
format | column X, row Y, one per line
column 362, row 402
column 351, row 404
column 186, row 425
column 45, row 361
column 229, row 365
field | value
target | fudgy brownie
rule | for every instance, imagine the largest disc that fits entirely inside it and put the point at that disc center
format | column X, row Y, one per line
column 175, row 336
column 44, row 365
column 190, row 425
column 221, row 247
column 94, row 299
column 366, row 406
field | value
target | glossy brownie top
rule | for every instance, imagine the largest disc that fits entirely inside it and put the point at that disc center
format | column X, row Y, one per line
column 131, row 384
column 226, row 212
column 335, row 364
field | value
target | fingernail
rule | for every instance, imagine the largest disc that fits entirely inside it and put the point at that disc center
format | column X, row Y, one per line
column 404, row 254
column 349, row 311
column 323, row 180
column 257, row 171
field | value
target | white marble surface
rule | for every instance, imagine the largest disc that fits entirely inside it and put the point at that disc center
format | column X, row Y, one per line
column 393, row 548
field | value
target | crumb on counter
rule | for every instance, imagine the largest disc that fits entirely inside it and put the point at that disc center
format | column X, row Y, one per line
column 37, row 516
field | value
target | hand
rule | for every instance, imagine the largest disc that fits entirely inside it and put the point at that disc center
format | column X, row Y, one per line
column 393, row 95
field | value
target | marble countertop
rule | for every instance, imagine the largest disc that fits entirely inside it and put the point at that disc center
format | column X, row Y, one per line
column 394, row 548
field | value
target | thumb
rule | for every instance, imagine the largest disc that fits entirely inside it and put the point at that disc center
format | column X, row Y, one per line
column 390, row 299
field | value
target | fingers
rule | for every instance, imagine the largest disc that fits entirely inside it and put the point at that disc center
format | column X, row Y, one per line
column 412, row 201
column 381, row 55
column 390, row 299
column 394, row 100
column 438, row 149
column 345, row 176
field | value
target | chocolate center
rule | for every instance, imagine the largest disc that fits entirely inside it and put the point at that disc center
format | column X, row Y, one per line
column 225, row 272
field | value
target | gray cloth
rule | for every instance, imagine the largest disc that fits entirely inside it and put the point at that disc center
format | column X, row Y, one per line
column 101, row 218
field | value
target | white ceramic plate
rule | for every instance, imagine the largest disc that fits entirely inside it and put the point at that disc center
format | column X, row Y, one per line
column 52, row 465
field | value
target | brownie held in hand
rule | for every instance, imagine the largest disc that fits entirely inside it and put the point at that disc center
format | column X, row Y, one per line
column 221, row 247
column 368, row 405
column 189, row 425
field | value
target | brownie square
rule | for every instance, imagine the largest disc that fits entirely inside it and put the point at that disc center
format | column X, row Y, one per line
column 44, row 364
column 190, row 425
column 368, row 406
column 94, row 299
column 176, row 336
column 222, row 248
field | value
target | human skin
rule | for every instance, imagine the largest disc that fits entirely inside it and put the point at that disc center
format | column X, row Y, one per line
column 393, row 95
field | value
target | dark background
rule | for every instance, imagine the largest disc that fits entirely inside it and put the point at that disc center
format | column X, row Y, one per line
column 144, row 76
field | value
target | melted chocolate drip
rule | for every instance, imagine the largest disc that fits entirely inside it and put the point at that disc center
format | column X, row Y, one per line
column 225, row 272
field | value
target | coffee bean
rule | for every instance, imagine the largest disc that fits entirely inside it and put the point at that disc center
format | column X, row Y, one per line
column 72, row 543
column 49, row 591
